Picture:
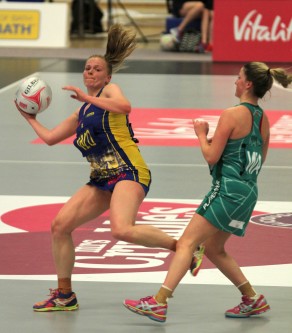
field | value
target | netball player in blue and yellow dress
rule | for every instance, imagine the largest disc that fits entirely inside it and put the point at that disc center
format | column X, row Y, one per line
column 235, row 156
column 119, row 178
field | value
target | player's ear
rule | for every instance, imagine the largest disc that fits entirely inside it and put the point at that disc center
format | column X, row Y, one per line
column 249, row 84
column 108, row 79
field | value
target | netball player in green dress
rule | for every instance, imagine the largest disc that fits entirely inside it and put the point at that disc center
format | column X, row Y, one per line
column 235, row 156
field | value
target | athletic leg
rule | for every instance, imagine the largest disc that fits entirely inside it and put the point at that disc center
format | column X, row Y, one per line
column 197, row 231
column 155, row 308
column 126, row 200
column 252, row 303
column 86, row 204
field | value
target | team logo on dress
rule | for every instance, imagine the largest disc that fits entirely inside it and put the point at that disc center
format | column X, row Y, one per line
column 254, row 162
column 280, row 220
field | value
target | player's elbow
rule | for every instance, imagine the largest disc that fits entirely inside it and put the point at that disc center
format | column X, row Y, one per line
column 127, row 108
column 50, row 141
column 212, row 154
column 211, row 159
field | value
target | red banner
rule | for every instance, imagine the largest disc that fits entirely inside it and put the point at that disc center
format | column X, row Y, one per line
column 253, row 30
column 174, row 127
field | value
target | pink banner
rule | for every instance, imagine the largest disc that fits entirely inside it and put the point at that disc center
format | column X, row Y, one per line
column 174, row 127
column 253, row 30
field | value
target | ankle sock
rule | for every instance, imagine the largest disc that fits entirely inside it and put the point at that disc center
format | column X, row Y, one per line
column 246, row 289
column 64, row 285
column 163, row 295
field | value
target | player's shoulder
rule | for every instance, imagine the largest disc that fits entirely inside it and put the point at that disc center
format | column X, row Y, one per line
column 229, row 111
column 233, row 110
column 111, row 85
column 111, row 88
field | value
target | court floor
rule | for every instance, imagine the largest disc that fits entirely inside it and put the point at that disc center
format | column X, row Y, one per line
column 166, row 94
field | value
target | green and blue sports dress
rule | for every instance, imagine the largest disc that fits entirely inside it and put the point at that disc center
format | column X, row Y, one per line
column 234, row 192
column 107, row 141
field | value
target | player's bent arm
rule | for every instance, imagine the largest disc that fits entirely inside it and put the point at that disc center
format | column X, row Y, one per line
column 213, row 149
column 112, row 99
column 57, row 134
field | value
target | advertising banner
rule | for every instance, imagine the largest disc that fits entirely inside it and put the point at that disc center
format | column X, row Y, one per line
column 34, row 24
column 253, row 30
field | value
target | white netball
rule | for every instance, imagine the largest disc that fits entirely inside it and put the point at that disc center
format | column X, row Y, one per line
column 168, row 42
column 33, row 95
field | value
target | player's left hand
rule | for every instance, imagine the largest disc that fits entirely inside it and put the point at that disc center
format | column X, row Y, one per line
column 79, row 95
column 201, row 126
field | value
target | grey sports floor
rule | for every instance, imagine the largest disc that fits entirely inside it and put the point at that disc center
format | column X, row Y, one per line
column 34, row 173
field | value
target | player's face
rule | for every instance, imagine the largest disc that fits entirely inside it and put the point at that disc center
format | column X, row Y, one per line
column 240, row 83
column 95, row 74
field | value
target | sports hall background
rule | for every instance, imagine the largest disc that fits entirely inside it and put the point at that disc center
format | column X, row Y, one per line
column 167, row 91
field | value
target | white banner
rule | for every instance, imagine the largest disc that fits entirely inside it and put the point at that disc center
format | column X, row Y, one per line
column 28, row 24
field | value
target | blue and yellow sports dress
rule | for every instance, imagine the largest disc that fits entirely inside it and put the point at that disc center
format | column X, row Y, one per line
column 107, row 141
column 234, row 192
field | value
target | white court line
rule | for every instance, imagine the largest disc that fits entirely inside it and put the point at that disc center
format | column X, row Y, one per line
column 269, row 275
column 186, row 165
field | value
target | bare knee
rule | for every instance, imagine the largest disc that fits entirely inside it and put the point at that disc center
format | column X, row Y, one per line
column 212, row 251
column 60, row 227
column 183, row 245
column 122, row 234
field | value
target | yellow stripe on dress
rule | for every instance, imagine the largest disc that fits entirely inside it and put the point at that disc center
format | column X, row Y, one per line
column 120, row 136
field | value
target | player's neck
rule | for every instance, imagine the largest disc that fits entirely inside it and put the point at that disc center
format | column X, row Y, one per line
column 250, row 100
